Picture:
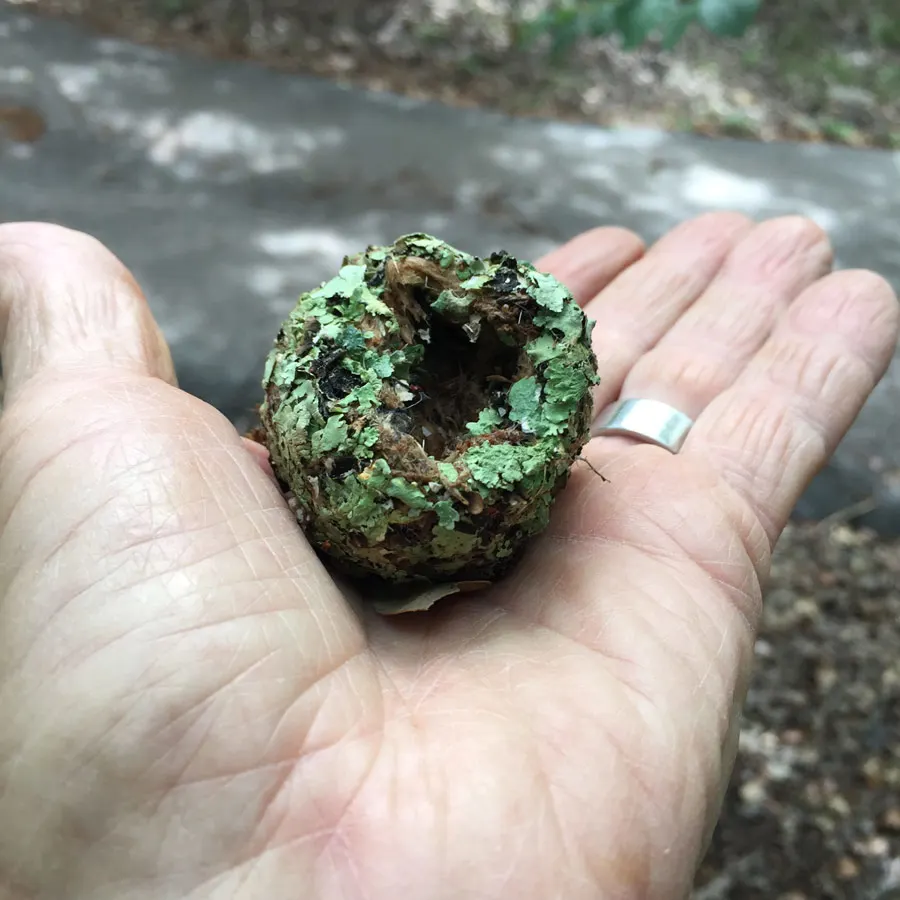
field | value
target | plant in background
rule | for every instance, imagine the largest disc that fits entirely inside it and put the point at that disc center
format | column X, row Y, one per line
column 565, row 22
column 171, row 8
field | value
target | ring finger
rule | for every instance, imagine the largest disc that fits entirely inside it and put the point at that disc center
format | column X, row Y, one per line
column 707, row 348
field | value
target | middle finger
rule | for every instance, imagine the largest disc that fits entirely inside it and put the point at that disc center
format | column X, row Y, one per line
column 707, row 348
column 644, row 301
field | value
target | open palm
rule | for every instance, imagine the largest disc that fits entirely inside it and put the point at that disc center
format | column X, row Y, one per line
column 192, row 708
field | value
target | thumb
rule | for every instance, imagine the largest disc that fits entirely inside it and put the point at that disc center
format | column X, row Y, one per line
column 105, row 464
column 67, row 303
column 163, row 622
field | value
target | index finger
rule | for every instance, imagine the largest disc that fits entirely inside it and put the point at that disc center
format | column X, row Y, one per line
column 589, row 262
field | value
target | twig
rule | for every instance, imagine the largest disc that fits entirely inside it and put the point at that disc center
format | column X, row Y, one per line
column 848, row 513
column 591, row 467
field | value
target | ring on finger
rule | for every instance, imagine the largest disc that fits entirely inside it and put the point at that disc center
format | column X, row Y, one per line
column 649, row 421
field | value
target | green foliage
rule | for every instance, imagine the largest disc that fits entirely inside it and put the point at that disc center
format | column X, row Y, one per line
column 170, row 9
column 884, row 28
column 565, row 22
column 727, row 18
column 839, row 131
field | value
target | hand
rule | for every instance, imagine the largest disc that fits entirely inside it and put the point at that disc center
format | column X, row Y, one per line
column 190, row 706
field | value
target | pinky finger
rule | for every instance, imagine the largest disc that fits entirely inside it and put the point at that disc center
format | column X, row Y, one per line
column 770, row 433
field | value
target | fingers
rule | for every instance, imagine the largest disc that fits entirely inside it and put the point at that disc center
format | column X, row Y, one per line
column 770, row 432
column 68, row 305
column 589, row 262
column 646, row 300
column 706, row 349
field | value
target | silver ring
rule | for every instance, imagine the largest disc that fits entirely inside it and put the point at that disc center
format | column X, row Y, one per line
column 647, row 420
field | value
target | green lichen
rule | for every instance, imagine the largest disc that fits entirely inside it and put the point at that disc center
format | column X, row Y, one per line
column 447, row 514
column 424, row 408
column 488, row 420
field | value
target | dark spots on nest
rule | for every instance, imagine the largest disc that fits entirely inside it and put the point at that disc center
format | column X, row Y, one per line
column 338, row 383
column 502, row 258
column 505, row 281
column 376, row 279
column 321, row 366
column 286, row 490
column 342, row 465
column 335, row 382
column 406, row 533
column 400, row 421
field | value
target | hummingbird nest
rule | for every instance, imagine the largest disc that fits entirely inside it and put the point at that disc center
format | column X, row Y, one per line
column 425, row 407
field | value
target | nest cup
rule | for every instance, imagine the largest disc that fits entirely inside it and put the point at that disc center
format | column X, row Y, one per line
column 424, row 408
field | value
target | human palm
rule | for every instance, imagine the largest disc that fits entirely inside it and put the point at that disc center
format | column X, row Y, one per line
column 193, row 708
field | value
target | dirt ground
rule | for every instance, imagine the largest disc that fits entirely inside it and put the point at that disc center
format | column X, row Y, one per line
column 813, row 810
column 821, row 70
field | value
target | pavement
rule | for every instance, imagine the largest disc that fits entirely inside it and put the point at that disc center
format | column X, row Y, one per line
column 229, row 189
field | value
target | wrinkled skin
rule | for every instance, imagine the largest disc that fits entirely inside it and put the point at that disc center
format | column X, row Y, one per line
column 191, row 707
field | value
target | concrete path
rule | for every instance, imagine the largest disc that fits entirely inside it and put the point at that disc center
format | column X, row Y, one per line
column 230, row 189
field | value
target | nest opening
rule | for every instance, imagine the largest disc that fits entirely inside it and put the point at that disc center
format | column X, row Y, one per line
column 464, row 371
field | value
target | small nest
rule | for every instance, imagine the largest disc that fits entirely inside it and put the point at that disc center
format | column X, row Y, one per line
column 424, row 408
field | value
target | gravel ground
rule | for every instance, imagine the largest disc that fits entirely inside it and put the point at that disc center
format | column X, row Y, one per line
column 813, row 810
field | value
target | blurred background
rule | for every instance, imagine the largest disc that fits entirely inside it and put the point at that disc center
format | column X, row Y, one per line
column 231, row 151
column 810, row 69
